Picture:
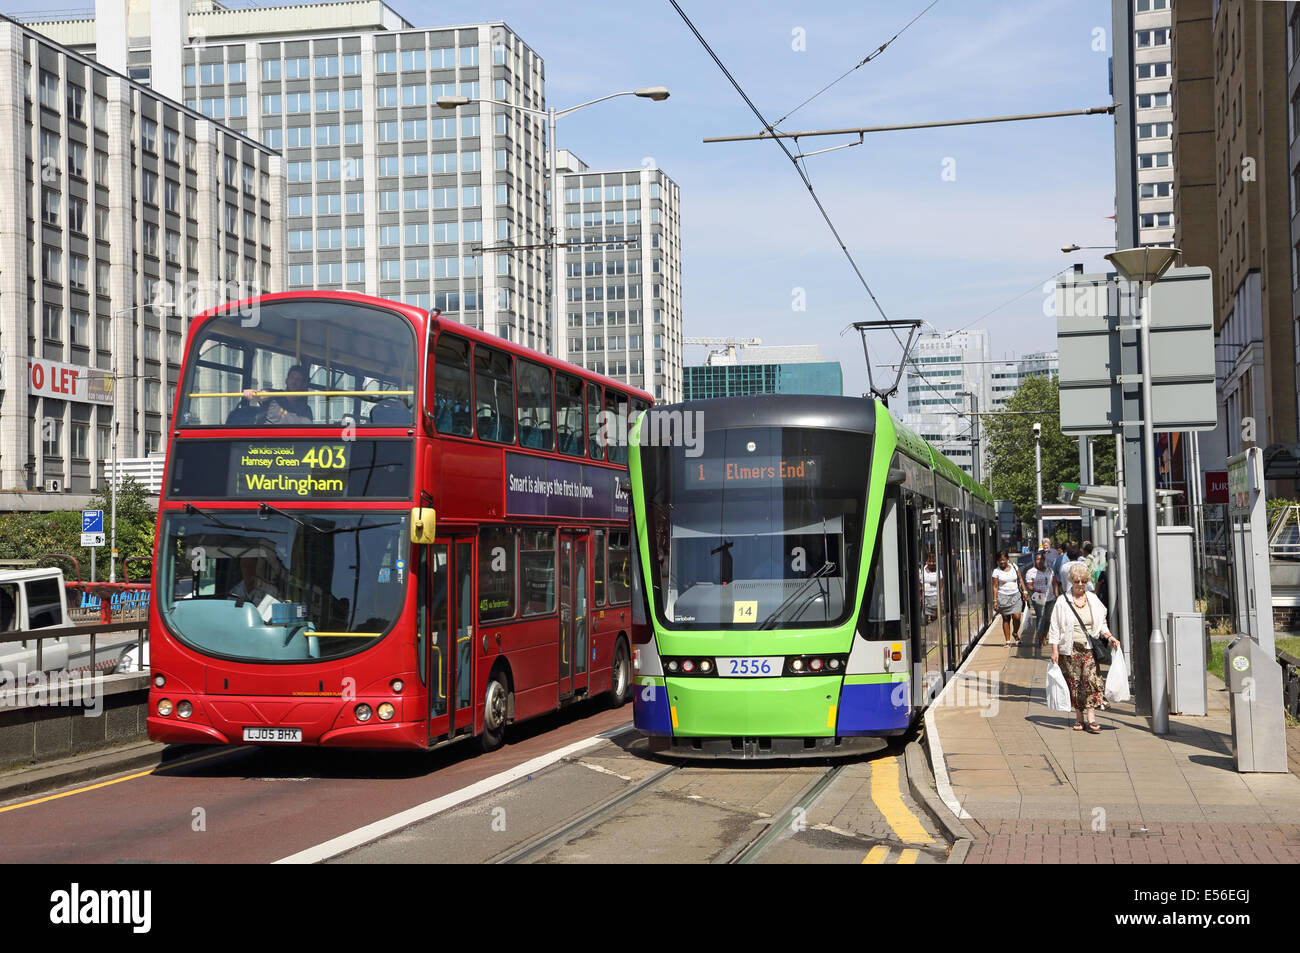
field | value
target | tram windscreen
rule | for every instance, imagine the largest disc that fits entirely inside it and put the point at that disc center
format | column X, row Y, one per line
column 279, row 585
column 763, row 529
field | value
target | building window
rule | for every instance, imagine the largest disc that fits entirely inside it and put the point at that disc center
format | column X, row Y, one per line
column 52, row 323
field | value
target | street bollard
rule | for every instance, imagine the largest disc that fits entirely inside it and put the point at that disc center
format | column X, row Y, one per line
column 1159, row 683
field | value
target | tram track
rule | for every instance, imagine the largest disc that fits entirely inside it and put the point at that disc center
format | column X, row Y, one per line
column 575, row 827
column 750, row 849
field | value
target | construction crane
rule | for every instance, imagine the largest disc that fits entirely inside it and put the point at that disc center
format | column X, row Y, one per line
column 723, row 348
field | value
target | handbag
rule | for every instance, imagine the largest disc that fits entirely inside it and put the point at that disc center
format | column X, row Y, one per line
column 1100, row 647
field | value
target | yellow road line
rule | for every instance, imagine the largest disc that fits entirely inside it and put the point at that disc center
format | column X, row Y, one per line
column 129, row 777
column 889, row 801
column 876, row 855
column 908, row 856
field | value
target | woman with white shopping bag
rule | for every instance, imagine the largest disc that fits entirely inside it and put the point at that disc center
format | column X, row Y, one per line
column 1075, row 618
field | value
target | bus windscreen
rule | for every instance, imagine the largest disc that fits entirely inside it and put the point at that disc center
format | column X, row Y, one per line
column 307, row 362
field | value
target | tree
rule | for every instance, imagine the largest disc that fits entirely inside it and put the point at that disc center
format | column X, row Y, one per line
column 33, row 535
column 1009, row 439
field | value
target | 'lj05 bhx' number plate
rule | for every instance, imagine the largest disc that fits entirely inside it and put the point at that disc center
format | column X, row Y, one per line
column 762, row 667
column 272, row 734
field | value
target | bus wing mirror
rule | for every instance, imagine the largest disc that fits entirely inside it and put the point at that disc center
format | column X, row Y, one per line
column 897, row 476
column 423, row 521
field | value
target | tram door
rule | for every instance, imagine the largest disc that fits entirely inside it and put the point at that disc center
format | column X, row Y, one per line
column 449, row 659
column 916, row 597
column 575, row 615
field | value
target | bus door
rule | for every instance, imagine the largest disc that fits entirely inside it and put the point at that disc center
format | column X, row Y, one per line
column 575, row 621
column 450, row 656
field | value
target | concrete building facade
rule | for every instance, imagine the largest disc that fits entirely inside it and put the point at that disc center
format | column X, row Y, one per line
column 1153, row 121
column 116, row 200
column 1243, row 47
column 387, row 193
column 622, row 262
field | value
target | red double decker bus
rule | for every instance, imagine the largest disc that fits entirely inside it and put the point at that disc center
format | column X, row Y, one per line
column 382, row 529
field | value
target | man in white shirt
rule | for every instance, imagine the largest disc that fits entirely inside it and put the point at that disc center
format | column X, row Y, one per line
column 250, row 588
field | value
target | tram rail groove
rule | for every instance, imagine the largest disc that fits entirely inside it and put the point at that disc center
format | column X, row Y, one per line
column 567, row 830
column 747, row 852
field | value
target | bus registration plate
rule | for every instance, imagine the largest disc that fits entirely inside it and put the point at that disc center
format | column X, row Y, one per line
column 768, row 667
column 262, row 733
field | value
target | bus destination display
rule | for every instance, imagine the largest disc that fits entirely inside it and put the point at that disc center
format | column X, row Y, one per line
column 752, row 471
column 290, row 469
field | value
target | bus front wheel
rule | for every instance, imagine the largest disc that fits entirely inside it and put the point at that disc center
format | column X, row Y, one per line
column 496, row 706
column 620, row 677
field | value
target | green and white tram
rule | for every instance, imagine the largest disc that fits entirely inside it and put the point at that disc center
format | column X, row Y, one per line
column 808, row 572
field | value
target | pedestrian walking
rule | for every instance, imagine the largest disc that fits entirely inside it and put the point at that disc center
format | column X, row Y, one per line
column 1039, row 583
column 1011, row 596
column 1076, row 617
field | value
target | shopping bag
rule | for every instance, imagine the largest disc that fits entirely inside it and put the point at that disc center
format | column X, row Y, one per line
column 1117, row 678
column 1058, row 693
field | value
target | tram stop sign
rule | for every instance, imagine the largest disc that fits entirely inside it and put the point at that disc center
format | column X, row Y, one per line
column 1095, row 321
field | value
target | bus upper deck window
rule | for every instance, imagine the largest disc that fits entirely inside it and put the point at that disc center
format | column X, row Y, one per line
column 451, row 401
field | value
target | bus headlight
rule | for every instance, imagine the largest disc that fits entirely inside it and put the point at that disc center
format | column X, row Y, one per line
column 184, row 709
column 386, row 711
column 396, row 685
column 159, row 681
column 362, row 712
column 164, row 707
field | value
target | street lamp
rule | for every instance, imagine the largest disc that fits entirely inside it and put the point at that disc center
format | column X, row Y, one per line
column 1038, row 471
column 1146, row 266
column 653, row 93
column 1069, row 248
column 975, row 431
column 113, row 479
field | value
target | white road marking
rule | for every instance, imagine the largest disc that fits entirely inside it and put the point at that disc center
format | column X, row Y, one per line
column 381, row 828
column 602, row 770
column 941, row 783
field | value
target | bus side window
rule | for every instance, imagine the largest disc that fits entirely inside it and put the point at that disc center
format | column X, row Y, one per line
column 620, row 555
column 494, row 395
column 451, row 401
column 598, row 572
column 534, row 406
column 615, row 446
column 594, row 447
column 568, row 415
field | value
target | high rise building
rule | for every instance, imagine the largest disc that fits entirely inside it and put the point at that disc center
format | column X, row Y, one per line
column 1242, row 46
column 1153, row 121
column 793, row 369
column 622, row 262
column 942, row 367
column 1005, row 377
column 387, row 193
column 118, row 200
column 1293, row 166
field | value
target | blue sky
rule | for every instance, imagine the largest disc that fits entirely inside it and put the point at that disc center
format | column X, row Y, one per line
column 944, row 251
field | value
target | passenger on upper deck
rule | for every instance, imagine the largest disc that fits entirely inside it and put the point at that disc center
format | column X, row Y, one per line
column 290, row 407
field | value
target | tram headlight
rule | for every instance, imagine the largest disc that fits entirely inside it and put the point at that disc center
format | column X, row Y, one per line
column 797, row 665
column 396, row 685
column 815, row 665
column 835, row 664
column 184, row 709
column 362, row 712
column 164, row 707
column 688, row 666
column 706, row 665
column 672, row 666
column 386, row 711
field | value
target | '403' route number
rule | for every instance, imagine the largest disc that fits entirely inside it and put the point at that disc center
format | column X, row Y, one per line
column 326, row 458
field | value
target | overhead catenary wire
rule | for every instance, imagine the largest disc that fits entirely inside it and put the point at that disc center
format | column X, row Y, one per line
column 857, row 66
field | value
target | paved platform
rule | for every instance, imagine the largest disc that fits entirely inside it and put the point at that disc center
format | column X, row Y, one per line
column 1031, row 790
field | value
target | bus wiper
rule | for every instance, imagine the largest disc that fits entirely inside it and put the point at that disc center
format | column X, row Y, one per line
column 191, row 509
column 268, row 508
column 826, row 569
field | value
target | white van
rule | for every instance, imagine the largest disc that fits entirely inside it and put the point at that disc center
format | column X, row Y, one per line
column 33, row 600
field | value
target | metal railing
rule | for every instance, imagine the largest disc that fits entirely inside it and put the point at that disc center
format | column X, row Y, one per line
column 39, row 636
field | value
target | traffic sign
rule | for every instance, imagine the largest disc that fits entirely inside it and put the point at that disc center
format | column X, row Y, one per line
column 92, row 521
column 92, row 539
